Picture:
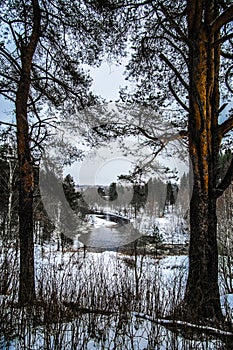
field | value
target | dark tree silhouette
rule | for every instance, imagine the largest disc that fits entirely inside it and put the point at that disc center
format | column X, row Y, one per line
column 42, row 47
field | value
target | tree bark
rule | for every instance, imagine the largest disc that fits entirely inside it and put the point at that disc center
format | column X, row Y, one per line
column 26, row 182
column 26, row 175
column 202, row 298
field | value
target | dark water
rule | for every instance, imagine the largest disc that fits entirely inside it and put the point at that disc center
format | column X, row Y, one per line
column 110, row 236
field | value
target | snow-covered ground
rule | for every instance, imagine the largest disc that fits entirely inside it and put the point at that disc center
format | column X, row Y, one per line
column 91, row 332
column 115, row 331
column 172, row 227
column 122, row 285
column 110, row 275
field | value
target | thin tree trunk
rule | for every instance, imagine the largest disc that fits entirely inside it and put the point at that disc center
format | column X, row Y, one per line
column 27, row 280
column 12, row 167
column 26, row 185
column 26, row 175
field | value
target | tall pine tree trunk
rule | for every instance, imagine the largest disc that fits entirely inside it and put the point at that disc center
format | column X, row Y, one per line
column 202, row 299
column 26, row 178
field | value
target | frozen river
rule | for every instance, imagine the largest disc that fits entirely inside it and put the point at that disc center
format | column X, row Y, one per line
column 109, row 234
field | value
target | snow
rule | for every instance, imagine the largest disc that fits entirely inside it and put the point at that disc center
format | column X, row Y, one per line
column 100, row 332
column 172, row 228
column 227, row 305
column 100, row 222
column 107, row 273
column 183, row 324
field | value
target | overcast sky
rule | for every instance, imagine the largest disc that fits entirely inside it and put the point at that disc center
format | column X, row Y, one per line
column 103, row 166
column 6, row 110
column 107, row 80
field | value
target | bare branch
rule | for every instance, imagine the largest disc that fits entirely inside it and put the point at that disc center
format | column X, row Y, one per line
column 226, row 126
column 115, row 6
column 222, row 108
column 37, row 142
column 228, row 74
column 177, row 48
column 223, row 39
column 5, row 94
column 145, row 133
column 175, row 25
column 225, row 183
column 8, row 124
column 10, row 59
column 7, row 76
column 177, row 74
column 226, row 55
column 224, row 18
column 177, row 97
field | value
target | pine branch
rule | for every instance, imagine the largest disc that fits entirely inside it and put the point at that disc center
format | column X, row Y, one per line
column 228, row 78
column 173, row 68
column 226, row 126
column 223, row 39
column 61, row 83
column 225, row 183
column 175, row 25
column 177, row 97
column 8, row 124
column 224, row 18
column 226, row 55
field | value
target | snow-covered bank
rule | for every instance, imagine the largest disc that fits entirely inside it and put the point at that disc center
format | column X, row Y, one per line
column 90, row 300
column 172, row 228
column 122, row 286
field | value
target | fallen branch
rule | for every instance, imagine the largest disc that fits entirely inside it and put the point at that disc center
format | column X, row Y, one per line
column 84, row 310
column 183, row 324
